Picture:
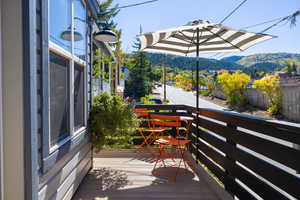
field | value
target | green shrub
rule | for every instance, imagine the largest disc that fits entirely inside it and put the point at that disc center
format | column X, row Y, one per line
column 234, row 86
column 270, row 86
column 110, row 116
column 205, row 92
column 146, row 99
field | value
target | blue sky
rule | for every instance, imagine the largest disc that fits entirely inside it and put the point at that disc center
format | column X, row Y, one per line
column 172, row 13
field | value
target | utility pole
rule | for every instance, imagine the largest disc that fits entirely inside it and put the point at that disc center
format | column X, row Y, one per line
column 165, row 74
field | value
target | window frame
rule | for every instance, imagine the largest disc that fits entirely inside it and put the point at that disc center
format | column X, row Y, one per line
column 50, row 153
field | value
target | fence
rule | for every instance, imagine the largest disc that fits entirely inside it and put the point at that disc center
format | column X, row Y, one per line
column 290, row 100
column 252, row 157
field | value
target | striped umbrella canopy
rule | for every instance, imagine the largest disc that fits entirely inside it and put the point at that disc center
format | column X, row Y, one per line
column 200, row 37
column 208, row 37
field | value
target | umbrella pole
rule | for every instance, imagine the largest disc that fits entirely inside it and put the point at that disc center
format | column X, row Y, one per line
column 197, row 91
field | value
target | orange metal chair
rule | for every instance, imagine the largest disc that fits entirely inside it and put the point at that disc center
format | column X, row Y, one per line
column 153, row 132
column 178, row 142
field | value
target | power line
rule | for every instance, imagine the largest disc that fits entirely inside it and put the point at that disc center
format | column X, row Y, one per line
column 136, row 4
column 281, row 19
column 262, row 23
column 273, row 25
column 234, row 10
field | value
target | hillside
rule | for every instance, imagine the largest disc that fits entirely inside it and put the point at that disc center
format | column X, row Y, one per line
column 258, row 62
column 264, row 62
column 182, row 62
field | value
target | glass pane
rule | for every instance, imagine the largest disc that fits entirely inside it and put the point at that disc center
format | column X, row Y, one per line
column 60, row 23
column 59, row 106
column 80, row 29
column 78, row 97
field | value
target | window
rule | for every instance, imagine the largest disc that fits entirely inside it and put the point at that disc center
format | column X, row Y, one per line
column 78, row 97
column 67, row 52
column 80, row 30
column 59, row 98
column 60, row 23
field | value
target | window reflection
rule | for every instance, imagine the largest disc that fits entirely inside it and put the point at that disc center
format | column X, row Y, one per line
column 80, row 29
column 60, row 21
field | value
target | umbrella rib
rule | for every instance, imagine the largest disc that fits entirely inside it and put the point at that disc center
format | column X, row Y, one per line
column 190, row 44
column 223, row 39
column 188, row 38
column 212, row 37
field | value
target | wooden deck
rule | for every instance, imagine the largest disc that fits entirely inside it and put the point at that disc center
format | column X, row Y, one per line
column 124, row 175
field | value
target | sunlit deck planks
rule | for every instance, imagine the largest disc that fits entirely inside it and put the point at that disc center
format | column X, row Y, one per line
column 124, row 175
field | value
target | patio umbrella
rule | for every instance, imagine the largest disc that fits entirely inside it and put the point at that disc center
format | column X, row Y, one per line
column 200, row 37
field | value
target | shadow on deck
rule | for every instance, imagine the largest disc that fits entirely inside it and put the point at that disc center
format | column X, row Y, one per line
column 125, row 175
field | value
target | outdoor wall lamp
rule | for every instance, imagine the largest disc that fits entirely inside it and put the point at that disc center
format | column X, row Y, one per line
column 105, row 35
column 67, row 35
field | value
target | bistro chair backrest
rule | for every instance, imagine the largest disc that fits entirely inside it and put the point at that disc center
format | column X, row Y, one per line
column 165, row 120
column 141, row 112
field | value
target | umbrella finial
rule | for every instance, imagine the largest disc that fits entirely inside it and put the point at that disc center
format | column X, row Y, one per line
column 197, row 22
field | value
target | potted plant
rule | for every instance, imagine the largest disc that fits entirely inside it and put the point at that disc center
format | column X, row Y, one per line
column 110, row 116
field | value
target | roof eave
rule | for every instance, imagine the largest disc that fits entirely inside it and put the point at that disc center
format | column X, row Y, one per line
column 93, row 6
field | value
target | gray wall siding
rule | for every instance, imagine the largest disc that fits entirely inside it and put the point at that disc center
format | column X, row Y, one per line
column 13, row 126
column 60, row 172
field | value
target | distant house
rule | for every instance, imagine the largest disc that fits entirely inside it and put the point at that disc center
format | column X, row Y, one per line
column 288, row 79
column 45, row 93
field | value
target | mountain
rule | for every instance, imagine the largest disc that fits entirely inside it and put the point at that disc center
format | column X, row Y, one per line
column 186, row 63
column 232, row 58
column 267, row 62
column 270, row 57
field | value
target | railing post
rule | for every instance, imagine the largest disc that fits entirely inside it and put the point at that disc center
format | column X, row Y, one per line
column 174, row 134
column 197, row 134
column 230, row 158
column 190, row 113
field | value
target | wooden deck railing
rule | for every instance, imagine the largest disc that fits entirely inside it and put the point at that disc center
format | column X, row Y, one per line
column 252, row 157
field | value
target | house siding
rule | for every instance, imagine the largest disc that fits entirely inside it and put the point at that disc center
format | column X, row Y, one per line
column 60, row 172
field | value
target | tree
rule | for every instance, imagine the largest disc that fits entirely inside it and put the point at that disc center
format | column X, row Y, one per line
column 270, row 86
column 290, row 68
column 106, row 15
column 234, row 86
column 293, row 18
column 139, row 80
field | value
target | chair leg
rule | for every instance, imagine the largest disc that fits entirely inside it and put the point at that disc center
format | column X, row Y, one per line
column 145, row 143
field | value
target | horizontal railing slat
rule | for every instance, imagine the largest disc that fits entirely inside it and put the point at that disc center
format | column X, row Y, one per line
column 284, row 132
column 234, row 187
column 278, row 152
column 260, row 187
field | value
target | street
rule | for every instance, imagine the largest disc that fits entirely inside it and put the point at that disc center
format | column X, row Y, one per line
column 179, row 96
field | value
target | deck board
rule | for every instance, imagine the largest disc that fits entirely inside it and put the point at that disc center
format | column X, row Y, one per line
column 125, row 175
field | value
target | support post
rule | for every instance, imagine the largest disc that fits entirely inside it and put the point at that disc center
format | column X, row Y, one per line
column 197, row 92
column 230, row 158
column 165, row 77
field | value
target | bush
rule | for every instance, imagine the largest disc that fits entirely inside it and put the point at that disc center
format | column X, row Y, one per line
column 147, row 100
column 234, row 86
column 270, row 86
column 166, row 101
column 205, row 92
column 110, row 116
